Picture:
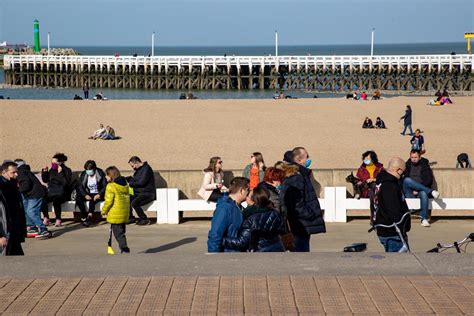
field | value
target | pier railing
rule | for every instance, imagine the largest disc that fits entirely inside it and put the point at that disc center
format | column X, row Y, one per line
column 296, row 61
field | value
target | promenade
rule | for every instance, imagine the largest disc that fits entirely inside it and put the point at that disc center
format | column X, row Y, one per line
column 169, row 273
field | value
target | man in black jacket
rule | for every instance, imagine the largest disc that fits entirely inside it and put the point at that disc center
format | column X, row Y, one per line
column 33, row 194
column 389, row 205
column 144, row 190
column 16, row 221
column 417, row 183
column 299, row 198
column 90, row 188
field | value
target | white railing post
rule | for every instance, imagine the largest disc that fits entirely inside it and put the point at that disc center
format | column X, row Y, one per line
column 173, row 210
column 340, row 205
column 330, row 204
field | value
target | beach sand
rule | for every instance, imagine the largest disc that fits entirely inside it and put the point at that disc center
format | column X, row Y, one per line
column 184, row 134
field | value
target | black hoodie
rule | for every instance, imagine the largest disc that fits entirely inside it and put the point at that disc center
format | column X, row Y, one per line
column 389, row 205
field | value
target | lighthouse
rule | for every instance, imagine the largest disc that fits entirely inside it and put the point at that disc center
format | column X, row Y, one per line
column 37, row 47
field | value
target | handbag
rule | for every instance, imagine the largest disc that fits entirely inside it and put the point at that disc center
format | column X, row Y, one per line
column 55, row 191
column 288, row 239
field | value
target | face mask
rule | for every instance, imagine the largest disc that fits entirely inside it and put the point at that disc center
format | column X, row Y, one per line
column 307, row 163
column 54, row 166
column 90, row 172
column 367, row 162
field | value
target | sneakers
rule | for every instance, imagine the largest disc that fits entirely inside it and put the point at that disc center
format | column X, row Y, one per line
column 58, row 223
column 46, row 221
column 32, row 233
column 44, row 235
column 143, row 222
column 125, row 250
column 435, row 194
column 131, row 220
column 85, row 222
column 425, row 223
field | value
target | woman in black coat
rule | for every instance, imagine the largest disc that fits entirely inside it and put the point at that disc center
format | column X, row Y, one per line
column 262, row 226
column 60, row 184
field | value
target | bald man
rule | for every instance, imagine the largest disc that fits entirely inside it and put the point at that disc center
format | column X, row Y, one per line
column 389, row 205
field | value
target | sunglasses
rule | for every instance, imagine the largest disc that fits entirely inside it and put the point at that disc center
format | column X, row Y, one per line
column 220, row 162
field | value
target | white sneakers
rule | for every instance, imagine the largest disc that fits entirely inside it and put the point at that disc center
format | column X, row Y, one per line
column 425, row 223
column 435, row 194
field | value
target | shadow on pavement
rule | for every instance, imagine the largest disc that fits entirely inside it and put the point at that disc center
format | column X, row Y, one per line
column 172, row 245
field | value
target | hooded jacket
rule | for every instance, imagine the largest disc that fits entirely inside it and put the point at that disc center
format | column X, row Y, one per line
column 29, row 185
column 143, row 181
column 389, row 205
column 82, row 188
column 302, row 206
column 117, row 201
column 226, row 222
column 259, row 232
column 426, row 172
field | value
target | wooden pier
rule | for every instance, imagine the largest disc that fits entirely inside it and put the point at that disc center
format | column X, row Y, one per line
column 323, row 73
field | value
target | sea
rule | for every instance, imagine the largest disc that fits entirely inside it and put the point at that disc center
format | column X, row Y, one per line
column 297, row 50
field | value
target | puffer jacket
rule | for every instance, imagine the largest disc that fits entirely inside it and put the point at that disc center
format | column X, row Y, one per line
column 117, row 201
column 299, row 198
column 259, row 232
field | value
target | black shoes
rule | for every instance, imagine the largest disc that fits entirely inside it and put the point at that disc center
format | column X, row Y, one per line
column 143, row 222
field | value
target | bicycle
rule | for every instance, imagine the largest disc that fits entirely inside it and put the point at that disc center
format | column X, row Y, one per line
column 405, row 248
column 457, row 245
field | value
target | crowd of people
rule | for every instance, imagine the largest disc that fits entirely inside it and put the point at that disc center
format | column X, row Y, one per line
column 24, row 196
column 363, row 96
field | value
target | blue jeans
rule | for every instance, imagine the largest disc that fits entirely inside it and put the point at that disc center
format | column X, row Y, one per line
column 302, row 243
column 391, row 243
column 410, row 185
column 405, row 129
column 32, row 212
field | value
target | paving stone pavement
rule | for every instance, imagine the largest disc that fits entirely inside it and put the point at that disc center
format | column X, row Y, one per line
column 239, row 295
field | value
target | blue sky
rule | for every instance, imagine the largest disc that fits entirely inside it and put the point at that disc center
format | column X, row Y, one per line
column 231, row 22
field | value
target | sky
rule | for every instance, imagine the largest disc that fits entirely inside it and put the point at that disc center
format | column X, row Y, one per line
column 235, row 22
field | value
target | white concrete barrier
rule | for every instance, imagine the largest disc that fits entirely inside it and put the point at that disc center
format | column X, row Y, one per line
column 335, row 205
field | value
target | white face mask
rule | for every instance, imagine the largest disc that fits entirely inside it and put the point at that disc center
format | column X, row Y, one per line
column 90, row 172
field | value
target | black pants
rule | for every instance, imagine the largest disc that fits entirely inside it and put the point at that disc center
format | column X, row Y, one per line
column 137, row 202
column 57, row 201
column 86, row 94
column 215, row 195
column 119, row 233
column 14, row 248
column 81, row 204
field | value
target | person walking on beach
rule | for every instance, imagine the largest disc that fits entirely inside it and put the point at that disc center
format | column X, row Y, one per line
column 212, row 186
column 407, row 119
column 117, row 206
column 227, row 218
column 59, row 180
column 33, row 194
column 144, row 190
column 417, row 183
column 86, row 91
column 389, row 205
column 255, row 170
column 91, row 189
column 13, row 220
column 302, row 205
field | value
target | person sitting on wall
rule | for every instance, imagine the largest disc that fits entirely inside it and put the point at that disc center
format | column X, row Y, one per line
column 368, row 123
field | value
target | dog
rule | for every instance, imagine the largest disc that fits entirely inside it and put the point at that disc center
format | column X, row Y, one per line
column 357, row 186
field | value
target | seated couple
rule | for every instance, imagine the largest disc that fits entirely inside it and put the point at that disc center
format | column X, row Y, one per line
column 105, row 133
column 379, row 123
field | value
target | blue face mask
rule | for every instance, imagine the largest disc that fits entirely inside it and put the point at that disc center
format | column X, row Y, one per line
column 367, row 162
column 308, row 163
column 90, row 172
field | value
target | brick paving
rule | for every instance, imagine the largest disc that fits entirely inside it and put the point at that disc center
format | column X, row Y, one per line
column 237, row 295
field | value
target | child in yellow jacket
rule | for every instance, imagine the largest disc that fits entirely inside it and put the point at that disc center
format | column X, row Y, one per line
column 117, row 205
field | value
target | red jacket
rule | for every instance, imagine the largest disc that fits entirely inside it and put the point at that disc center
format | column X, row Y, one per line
column 363, row 175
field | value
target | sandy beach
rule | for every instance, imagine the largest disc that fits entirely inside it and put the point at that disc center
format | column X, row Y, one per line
column 182, row 135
